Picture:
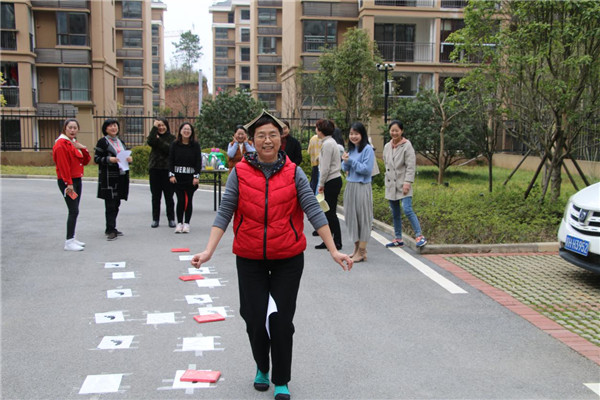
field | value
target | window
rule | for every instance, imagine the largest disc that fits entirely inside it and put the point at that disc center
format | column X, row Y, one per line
column 230, row 17
column 245, row 87
column 245, row 33
column 245, row 70
column 72, row 29
column 132, row 9
column 133, row 97
column 220, row 52
column 267, row 73
column 74, row 84
column 132, row 67
column 267, row 45
column 245, row 14
column 319, row 34
column 10, row 90
column 132, row 39
column 267, row 16
column 10, row 130
column 245, row 53
column 155, row 68
column 221, row 33
column 221, row 70
column 270, row 99
column 8, row 33
column 154, row 30
column 396, row 41
column 155, row 50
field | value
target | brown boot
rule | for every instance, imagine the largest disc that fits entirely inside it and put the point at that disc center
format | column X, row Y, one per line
column 355, row 249
column 361, row 255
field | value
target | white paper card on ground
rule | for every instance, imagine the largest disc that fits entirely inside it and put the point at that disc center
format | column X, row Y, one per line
column 201, row 271
column 118, row 264
column 122, row 157
column 161, row 318
column 199, row 343
column 198, row 299
column 178, row 384
column 101, row 384
column 118, row 293
column 115, row 342
column 186, row 257
column 123, row 275
column 212, row 310
column 110, row 316
column 271, row 308
column 208, row 283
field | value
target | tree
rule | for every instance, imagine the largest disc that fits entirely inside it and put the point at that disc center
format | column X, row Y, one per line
column 545, row 58
column 187, row 53
column 438, row 124
column 348, row 74
column 219, row 117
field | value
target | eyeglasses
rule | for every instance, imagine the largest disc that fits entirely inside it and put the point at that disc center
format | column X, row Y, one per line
column 272, row 136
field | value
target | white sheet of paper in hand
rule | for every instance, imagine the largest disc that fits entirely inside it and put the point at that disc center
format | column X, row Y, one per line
column 271, row 308
column 122, row 156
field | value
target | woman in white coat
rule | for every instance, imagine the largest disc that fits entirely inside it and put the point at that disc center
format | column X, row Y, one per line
column 400, row 167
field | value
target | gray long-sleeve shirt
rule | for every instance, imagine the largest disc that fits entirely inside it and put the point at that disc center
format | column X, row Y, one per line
column 306, row 197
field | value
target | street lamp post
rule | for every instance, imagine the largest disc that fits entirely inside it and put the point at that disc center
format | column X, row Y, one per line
column 386, row 88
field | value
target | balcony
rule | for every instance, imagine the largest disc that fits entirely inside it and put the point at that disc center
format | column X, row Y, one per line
column 269, row 59
column 221, row 81
column 224, row 61
column 269, row 87
column 129, row 82
column 454, row 3
column 11, row 95
column 62, row 56
column 269, row 3
column 128, row 24
column 406, row 51
column 123, row 53
column 59, row 4
column 316, row 43
column 8, row 40
column 224, row 42
column 269, row 31
column 405, row 3
column 63, row 110
column 318, row 9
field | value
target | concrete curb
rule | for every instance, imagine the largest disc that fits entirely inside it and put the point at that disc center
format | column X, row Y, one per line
column 541, row 247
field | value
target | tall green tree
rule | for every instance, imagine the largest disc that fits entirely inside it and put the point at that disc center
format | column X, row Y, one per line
column 348, row 74
column 219, row 117
column 545, row 58
column 187, row 53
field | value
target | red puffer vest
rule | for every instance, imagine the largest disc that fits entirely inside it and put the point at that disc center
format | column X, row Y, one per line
column 268, row 222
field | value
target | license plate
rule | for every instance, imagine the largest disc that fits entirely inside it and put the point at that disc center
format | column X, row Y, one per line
column 577, row 245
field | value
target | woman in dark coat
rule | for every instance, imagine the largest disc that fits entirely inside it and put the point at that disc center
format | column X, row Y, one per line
column 113, row 181
column 160, row 139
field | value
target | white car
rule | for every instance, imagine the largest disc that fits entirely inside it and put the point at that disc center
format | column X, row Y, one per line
column 579, row 232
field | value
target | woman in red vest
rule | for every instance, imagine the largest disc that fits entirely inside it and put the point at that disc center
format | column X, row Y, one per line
column 268, row 195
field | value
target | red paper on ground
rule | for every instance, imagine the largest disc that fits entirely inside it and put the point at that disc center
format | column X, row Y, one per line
column 191, row 277
column 192, row 375
column 209, row 318
column 181, row 250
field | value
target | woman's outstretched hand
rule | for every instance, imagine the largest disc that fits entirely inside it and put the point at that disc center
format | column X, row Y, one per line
column 343, row 259
column 200, row 258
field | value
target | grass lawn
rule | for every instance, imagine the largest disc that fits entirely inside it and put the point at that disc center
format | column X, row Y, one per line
column 462, row 212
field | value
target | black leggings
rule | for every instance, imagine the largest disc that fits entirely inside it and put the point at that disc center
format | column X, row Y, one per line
column 159, row 186
column 185, row 195
column 331, row 190
column 281, row 279
column 72, row 205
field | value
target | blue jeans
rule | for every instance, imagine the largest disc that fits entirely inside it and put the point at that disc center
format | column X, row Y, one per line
column 410, row 214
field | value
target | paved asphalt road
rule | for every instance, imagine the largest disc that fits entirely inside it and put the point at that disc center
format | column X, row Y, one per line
column 385, row 330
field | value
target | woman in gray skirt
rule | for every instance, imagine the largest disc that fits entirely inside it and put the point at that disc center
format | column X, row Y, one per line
column 358, row 197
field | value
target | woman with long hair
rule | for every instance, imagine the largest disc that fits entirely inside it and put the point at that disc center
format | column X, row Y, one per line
column 185, row 163
column 160, row 139
column 358, row 196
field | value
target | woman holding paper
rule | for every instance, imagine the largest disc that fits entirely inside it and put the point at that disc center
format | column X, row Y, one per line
column 113, row 160
column 267, row 195
column 358, row 196
column 70, row 156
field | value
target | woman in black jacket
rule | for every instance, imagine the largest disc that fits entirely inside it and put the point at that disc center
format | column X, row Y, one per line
column 113, row 181
column 185, row 163
column 160, row 139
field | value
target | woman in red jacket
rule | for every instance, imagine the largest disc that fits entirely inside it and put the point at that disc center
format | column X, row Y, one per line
column 70, row 156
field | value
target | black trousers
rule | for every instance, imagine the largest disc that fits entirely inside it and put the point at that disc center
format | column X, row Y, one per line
column 185, row 197
column 159, row 187
column 72, row 205
column 111, row 210
column 280, row 278
column 314, row 178
column 331, row 190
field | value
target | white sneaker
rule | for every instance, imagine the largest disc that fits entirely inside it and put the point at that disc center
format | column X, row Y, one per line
column 70, row 245
column 78, row 243
column 186, row 228
column 179, row 228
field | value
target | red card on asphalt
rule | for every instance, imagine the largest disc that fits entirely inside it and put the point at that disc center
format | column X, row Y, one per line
column 209, row 318
column 181, row 250
column 191, row 277
column 192, row 375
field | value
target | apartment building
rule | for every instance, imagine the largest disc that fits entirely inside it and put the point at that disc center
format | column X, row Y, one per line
column 261, row 44
column 247, row 48
column 78, row 58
